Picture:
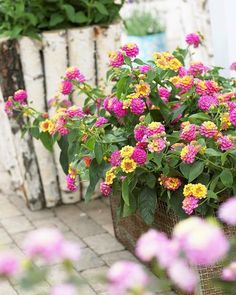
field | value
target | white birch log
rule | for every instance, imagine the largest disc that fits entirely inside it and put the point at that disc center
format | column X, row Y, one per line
column 55, row 62
column 81, row 47
column 107, row 39
column 34, row 83
column 11, row 79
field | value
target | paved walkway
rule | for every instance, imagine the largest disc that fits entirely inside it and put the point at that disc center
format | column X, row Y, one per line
column 88, row 224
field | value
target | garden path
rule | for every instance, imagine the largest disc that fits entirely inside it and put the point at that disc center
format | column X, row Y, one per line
column 88, row 224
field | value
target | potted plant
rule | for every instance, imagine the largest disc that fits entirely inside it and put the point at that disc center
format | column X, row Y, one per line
column 147, row 31
column 162, row 143
column 42, row 37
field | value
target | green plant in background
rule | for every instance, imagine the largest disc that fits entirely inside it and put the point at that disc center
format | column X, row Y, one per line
column 30, row 17
column 143, row 23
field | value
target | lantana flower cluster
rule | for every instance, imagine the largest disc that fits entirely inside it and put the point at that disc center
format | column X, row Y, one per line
column 166, row 125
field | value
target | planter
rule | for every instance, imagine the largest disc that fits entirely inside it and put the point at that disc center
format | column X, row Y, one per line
column 129, row 229
column 38, row 67
column 147, row 44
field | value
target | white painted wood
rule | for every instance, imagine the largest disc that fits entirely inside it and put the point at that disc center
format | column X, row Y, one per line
column 34, row 82
column 106, row 39
column 11, row 176
column 55, row 62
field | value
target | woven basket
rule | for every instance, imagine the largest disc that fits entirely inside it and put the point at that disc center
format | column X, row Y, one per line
column 129, row 229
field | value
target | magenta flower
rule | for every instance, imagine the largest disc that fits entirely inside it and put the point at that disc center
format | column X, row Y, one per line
column 46, row 243
column 8, row 107
column 105, row 189
column 225, row 143
column 118, row 108
column 208, row 129
column 229, row 272
column 139, row 156
column 101, row 121
column 70, row 183
column 131, row 50
column 116, row 59
column 144, row 69
column 137, row 106
column 66, row 87
column 115, row 159
column 193, row 39
column 108, row 103
column 189, row 132
column 182, row 72
column 140, row 132
column 197, row 69
column 183, row 276
column 188, row 154
column 164, row 94
column 64, row 289
column 75, row 111
column 232, row 116
column 72, row 73
column 206, row 102
column 233, row 66
column 189, row 204
column 126, row 276
column 9, row 264
column 227, row 211
column 20, row 95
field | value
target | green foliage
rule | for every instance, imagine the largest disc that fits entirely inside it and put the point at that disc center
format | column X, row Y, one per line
column 147, row 204
column 143, row 23
column 30, row 17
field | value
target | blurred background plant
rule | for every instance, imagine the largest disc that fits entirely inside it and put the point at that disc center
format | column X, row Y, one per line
column 30, row 17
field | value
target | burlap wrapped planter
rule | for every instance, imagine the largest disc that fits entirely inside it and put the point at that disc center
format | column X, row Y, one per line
column 129, row 229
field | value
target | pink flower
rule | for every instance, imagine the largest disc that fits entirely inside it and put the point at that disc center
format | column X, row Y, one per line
column 105, row 189
column 9, row 265
column 70, row 251
column 65, row 103
column 64, row 289
column 118, row 108
column 208, row 129
column 182, row 72
column 233, row 66
column 154, row 244
column 157, row 145
column 139, row 156
column 144, row 69
column 131, row 50
column 75, row 111
column 46, row 243
column 108, row 103
column 101, row 121
column 8, row 107
column 225, row 143
column 72, row 73
column 188, row 154
column 229, row 272
column 189, row 132
column 227, row 211
column 183, row 276
column 193, row 39
column 20, row 95
column 204, row 243
column 115, row 159
column 197, row 68
column 116, row 59
column 155, row 128
column 137, row 106
column 189, row 204
column 232, row 116
column 70, row 183
column 206, row 102
column 140, row 132
column 208, row 87
column 164, row 94
column 66, row 87
column 126, row 276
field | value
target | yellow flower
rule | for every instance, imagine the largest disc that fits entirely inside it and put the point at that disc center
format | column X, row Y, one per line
column 126, row 103
column 128, row 165
column 199, row 191
column 225, row 121
column 46, row 125
column 110, row 176
column 127, row 151
column 72, row 171
column 188, row 190
column 183, row 152
column 143, row 89
column 174, row 64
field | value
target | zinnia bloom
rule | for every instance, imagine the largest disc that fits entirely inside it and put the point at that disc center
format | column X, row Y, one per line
column 127, row 151
column 139, row 156
column 137, row 106
column 143, row 89
column 20, row 95
column 140, row 132
column 189, row 204
column 193, row 39
column 164, row 94
column 105, row 189
column 206, row 102
column 118, row 108
column 66, row 87
column 128, row 165
column 225, row 143
column 116, row 59
column 115, row 158
column 131, row 50
column 157, row 145
column 189, row 132
column 208, row 129
column 46, row 125
column 170, row 183
column 188, row 154
column 100, row 121
column 155, row 128
column 232, row 116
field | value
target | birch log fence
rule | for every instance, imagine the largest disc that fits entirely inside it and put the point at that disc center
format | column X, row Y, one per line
column 38, row 67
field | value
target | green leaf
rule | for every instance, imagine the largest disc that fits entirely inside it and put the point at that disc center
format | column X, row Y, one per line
column 64, row 161
column 213, row 153
column 211, row 195
column 98, row 152
column 128, row 61
column 226, row 178
column 56, row 19
column 80, row 17
column 46, row 140
column 185, row 169
column 198, row 117
column 147, row 204
column 195, row 170
column 150, row 180
column 70, row 12
column 125, row 190
column 101, row 8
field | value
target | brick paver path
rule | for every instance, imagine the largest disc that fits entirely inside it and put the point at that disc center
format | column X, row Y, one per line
column 88, row 224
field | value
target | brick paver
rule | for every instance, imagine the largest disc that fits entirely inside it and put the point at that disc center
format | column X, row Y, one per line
column 88, row 224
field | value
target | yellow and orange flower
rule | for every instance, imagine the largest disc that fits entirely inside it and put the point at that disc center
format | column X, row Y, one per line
column 128, row 165
column 46, row 125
